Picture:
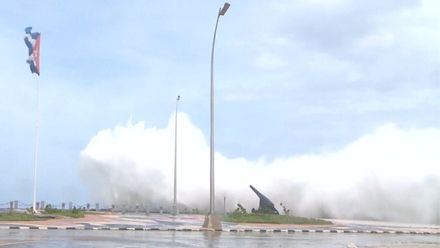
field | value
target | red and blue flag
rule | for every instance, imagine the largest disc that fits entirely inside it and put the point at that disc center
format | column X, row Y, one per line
column 32, row 40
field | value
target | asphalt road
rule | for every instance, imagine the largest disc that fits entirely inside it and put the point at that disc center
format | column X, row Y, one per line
column 129, row 239
column 117, row 230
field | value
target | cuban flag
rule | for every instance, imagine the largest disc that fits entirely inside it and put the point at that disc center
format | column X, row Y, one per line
column 32, row 40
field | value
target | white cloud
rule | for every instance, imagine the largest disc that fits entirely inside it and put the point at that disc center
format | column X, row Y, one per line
column 270, row 61
column 380, row 40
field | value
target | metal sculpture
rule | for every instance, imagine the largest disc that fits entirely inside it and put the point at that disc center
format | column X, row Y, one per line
column 266, row 206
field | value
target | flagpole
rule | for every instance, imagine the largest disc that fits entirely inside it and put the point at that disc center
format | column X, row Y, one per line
column 32, row 41
column 37, row 127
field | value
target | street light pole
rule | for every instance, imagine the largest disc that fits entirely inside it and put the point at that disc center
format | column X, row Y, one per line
column 175, row 160
column 211, row 220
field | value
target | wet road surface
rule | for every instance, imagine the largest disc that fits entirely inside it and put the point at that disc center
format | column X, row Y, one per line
column 136, row 230
column 128, row 239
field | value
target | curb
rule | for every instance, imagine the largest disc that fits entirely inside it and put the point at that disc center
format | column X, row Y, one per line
column 289, row 231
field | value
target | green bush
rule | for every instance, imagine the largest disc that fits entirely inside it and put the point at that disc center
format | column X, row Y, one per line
column 74, row 213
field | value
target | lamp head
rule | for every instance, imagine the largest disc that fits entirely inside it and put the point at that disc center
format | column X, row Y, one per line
column 224, row 9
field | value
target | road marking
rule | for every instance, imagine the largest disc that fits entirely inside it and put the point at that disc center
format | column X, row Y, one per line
column 232, row 230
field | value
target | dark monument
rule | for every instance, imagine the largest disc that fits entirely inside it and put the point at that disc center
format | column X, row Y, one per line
column 266, row 206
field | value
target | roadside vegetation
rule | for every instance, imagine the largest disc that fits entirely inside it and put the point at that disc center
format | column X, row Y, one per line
column 272, row 219
column 14, row 216
column 74, row 213
column 47, row 213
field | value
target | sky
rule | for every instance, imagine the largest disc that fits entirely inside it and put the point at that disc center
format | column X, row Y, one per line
column 293, row 78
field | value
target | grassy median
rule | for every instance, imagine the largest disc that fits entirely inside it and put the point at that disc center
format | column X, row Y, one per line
column 47, row 213
column 12, row 216
column 273, row 219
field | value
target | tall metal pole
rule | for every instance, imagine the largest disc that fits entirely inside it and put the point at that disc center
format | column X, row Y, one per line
column 211, row 221
column 211, row 145
column 224, row 204
column 36, row 148
column 175, row 160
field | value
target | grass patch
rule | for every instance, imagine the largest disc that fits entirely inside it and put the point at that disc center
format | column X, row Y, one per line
column 273, row 219
column 20, row 217
column 75, row 213
column 48, row 213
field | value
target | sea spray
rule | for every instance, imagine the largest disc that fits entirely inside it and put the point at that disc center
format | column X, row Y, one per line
column 389, row 174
